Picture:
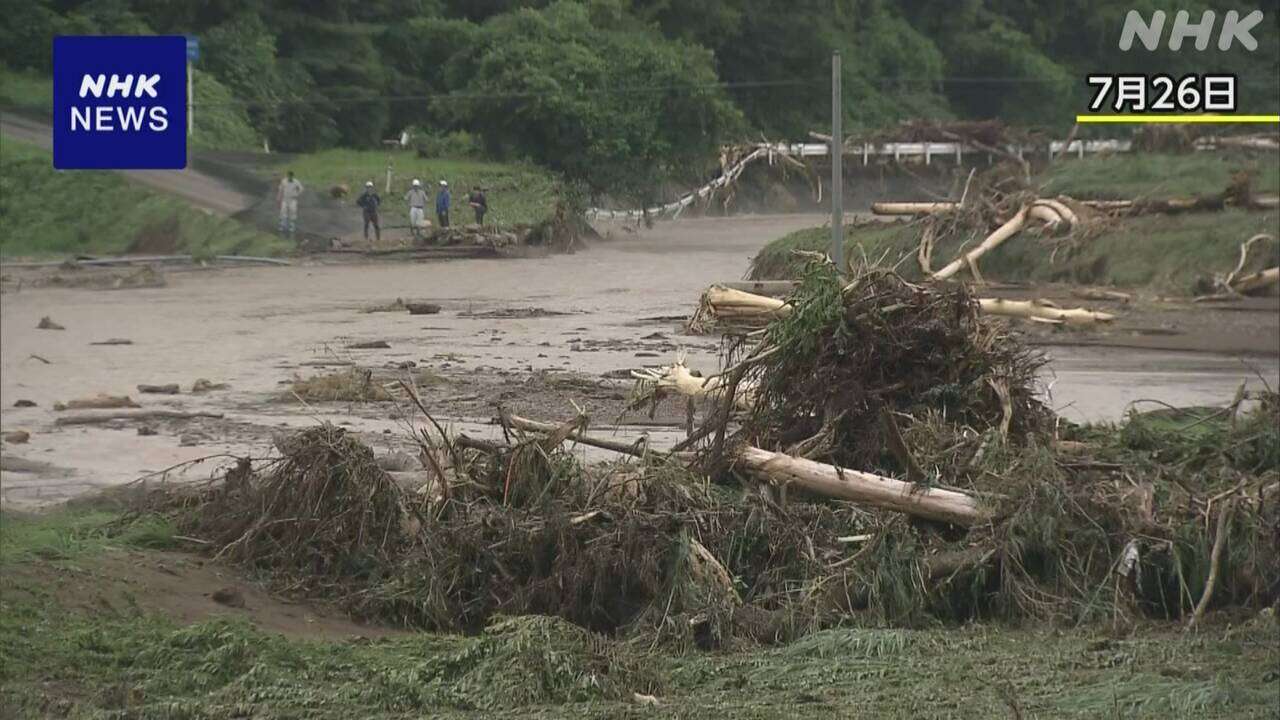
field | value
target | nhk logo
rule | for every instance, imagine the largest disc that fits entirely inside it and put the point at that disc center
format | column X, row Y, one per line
column 119, row 102
column 1234, row 29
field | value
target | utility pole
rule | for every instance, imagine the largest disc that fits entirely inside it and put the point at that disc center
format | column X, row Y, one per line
column 191, row 116
column 837, row 167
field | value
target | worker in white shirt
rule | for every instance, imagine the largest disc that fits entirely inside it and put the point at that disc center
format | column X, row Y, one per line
column 287, row 195
column 417, row 199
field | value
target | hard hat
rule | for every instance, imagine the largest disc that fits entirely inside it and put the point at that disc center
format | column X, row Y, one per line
column 416, row 183
column 368, row 183
column 442, row 182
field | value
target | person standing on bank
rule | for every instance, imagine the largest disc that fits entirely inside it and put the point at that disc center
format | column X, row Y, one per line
column 287, row 195
column 417, row 199
column 369, row 203
column 478, row 203
column 442, row 204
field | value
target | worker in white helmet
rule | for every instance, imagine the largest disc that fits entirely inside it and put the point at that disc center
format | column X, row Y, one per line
column 417, row 199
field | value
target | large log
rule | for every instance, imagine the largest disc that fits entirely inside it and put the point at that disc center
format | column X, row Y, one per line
column 1256, row 281
column 1043, row 311
column 726, row 299
column 860, row 487
column 722, row 304
column 912, row 208
column 993, row 241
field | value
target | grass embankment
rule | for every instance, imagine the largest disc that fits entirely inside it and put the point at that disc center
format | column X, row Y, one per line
column 46, row 212
column 72, row 644
column 95, row 659
column 1169, row 253
column 516, row 193
column 1152, row 175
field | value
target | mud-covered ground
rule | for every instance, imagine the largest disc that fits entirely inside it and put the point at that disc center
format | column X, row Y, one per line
column 534, row 335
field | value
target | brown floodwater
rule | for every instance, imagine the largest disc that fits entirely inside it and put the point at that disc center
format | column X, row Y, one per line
column 254, row 327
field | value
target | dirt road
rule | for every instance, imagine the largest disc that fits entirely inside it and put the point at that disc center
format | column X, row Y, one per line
column 200, row 189
column 574, row 317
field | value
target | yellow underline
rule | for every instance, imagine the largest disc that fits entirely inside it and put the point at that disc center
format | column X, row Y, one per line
column 1271, row 119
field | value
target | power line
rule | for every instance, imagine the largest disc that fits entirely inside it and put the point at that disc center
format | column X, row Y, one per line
column 882, row 82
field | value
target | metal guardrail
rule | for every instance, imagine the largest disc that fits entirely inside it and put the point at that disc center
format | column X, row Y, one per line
column 930, row 150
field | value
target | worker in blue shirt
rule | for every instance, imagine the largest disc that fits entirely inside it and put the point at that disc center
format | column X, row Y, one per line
column 442, row 204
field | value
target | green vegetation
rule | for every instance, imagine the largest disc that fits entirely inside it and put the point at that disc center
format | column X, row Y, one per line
column 1170, row 253
column 626, row 94
column 220, row 122
column 516, row 193
column 45, row 212
column 1151, row 175
column 88, row 661
column 530, row 83
column 26, row 90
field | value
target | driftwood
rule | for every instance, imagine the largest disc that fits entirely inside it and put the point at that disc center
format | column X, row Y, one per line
column 913, row 208
column 1172, row 206
column 865, row 488
column 638, row 448
column 1099, row 294
column 99, row 402
column 679, row 379
column 734, row 307
column 1043, row 311
column 1254, row 282
column 95, row 418
column 169, row 389
column 1234, row 285
column 826, row 480
column 1215, row 561
column 993, row 241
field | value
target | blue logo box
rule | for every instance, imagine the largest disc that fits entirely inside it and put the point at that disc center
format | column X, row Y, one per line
column 119, row 103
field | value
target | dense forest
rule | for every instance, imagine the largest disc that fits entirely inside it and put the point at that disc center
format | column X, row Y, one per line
column 587, row 84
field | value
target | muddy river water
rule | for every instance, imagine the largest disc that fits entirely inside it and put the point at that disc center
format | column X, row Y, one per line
column 255, row 327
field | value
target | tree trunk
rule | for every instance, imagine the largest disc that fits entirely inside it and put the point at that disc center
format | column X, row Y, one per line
column 1034, row 310
column 993, row 241
column 912, row 208
column 882, row 492
column 1256, row 281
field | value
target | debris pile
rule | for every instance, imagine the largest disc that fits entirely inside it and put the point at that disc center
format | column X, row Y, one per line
column 476, row 235
column 324, row 515
column 891, row 463
column 855, row 353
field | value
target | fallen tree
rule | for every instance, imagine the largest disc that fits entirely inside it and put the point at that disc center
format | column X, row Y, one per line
column 863, row 488
column 1043, row 311
column 1010, row 228
column 723, row 309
